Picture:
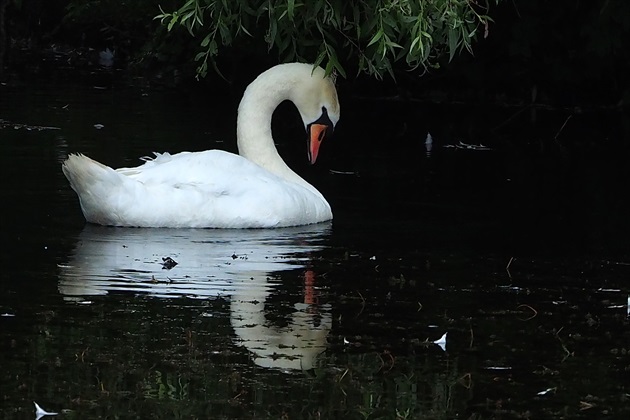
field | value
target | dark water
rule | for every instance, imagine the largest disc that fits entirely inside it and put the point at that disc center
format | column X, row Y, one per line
column 518, row 254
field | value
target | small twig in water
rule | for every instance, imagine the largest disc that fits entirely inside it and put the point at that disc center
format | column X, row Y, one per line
column 568, row 353
column 362, row 304
column 80, row 357
column 466, row 380
column 534, row 311
column 383, row 361
column 562, row 128
column 507, row 267
column 392, row 359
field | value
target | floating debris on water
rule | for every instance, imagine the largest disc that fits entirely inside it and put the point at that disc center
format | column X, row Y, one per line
column 168, row 263
column 428, row 144
column 40, row 412
column 441, row 341
column 27, row 127
column 465, row 146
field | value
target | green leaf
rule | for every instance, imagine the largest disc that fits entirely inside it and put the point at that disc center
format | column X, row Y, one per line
column 174, row 19
column 413, row 44
column 272, row 32
column 206, row 40
column 452, row 43
column 212, row 48
column 338, row 66
column 329, row 67
column 392, row 44
column 187, row 16
column 320, row 58
column 188, row 4
column 355, row 21
column 291, row 9
column 376, row 37
column 244, row 29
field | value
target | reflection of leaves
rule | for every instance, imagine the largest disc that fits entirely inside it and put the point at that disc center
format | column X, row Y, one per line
column 363, row 383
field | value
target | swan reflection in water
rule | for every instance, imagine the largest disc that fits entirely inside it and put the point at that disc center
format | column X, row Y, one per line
column 211, row 263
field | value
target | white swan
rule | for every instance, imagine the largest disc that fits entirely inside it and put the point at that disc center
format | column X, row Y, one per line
column 217, row 189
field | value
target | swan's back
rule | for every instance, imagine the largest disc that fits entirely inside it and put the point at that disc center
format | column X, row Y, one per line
column 211, row 189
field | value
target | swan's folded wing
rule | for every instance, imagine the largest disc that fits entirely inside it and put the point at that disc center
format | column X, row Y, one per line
column 211, row 167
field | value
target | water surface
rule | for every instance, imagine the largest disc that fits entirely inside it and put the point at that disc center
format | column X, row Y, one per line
column 528, row 278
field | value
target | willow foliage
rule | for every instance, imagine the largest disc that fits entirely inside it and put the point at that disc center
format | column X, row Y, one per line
column 369, row 36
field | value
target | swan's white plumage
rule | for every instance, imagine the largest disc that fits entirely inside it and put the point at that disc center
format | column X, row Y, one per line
column 216, row 188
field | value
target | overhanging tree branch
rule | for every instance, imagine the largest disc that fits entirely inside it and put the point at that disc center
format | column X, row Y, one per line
column 373, row 36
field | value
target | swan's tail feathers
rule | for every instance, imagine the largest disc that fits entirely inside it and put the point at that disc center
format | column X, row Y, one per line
column 86, row 174
column 95, row 184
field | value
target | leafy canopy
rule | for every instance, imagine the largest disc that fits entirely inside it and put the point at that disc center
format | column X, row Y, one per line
column 369, row 36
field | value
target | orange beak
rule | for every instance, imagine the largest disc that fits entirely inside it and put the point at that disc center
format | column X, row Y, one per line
column 317, row 133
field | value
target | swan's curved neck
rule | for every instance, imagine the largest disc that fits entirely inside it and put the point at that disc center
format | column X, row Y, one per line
column 254, row 138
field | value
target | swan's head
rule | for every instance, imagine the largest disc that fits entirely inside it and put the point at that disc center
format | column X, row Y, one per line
column 315, row 97
column 307, row 87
